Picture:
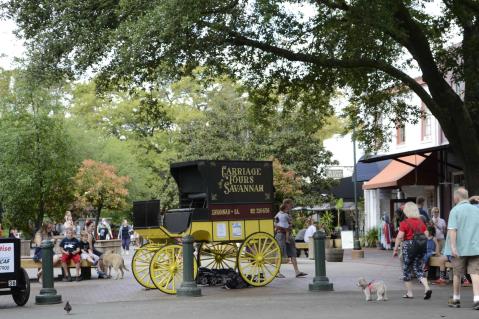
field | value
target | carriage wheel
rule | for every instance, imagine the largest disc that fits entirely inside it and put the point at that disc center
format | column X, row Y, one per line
column 166, row 268
column 218, row 255
column 140, row 264
column 21, row 295
column 259, row 259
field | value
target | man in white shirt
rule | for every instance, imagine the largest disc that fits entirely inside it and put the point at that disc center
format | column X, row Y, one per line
column 309, row 231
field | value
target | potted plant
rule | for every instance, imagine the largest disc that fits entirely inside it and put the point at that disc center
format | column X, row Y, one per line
column 337, row 230
column 371, row 238
column 332, row 254
column 326, row 222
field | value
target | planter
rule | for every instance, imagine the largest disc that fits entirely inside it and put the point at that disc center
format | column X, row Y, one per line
column 328, row 242
column 311, row 249
column 25, row 248
column 334, row 254
column 108, row 245
column 338, row 243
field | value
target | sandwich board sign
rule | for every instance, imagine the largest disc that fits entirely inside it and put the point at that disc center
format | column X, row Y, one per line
column 347, row 239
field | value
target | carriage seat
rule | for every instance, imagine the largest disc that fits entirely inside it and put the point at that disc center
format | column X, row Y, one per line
column 197, row 196
column 177, row 220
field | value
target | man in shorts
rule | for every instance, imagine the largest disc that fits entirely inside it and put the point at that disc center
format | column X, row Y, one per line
column 463, row 244
column 288, row 246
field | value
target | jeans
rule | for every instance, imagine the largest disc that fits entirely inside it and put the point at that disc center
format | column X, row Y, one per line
column 125, row 243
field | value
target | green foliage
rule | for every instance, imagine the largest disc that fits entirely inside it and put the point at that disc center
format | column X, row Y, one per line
column 288, row 53
column 327, row 222
column 371, row 237
column 36, row 165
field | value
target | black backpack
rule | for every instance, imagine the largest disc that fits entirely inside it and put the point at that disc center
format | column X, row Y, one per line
column 419, row 243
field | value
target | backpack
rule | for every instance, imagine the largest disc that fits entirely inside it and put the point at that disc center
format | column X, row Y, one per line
column 235, row 281
column 419, row 243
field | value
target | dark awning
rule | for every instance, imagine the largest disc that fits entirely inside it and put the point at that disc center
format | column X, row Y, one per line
column 366, row 171
column 420, row 152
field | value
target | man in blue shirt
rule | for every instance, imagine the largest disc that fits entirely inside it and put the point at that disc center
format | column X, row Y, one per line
column 463, row 244
column 420, row 204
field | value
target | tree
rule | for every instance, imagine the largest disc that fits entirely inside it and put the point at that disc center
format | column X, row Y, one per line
column 98, row 186
column 311, row 46
column 35, row 158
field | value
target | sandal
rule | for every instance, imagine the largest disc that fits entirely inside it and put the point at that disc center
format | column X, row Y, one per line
column 428, row 294
column 406, row 296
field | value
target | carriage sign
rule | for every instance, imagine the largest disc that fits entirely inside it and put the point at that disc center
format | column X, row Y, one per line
column 7, row 258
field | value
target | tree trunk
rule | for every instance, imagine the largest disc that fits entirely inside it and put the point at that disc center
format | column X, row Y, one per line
column 97, row 218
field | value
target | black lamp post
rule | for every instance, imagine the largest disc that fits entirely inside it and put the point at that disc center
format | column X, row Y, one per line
column 357, row 244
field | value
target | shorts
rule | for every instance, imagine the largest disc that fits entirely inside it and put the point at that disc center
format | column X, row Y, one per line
column 287, row 249
column 66, row 258
column 461, row 264
column 92, row 256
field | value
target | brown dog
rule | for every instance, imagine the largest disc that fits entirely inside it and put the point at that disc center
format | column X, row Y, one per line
column 115, row 261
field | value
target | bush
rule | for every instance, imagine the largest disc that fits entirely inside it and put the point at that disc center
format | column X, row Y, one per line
column 371, row 237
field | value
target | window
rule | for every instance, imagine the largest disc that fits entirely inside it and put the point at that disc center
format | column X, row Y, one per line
column 426, row 123
column 401, row 134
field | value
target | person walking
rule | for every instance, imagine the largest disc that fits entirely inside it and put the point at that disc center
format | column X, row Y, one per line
column 440, row 226
column 412, row 257
column 282, row 228
column 420, row 205
column 462, row 243
column 124, row 234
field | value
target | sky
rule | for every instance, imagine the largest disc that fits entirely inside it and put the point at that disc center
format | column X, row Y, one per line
column 10, row 46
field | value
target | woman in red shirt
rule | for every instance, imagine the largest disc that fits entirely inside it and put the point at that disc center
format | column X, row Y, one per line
column 407, row 228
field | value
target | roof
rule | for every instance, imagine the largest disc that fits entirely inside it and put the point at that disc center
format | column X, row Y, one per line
column 366, row 171
column 377, row 158
column 394, row 171
column 345, row 189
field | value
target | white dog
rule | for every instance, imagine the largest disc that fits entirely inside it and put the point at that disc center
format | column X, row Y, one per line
column 375, row 286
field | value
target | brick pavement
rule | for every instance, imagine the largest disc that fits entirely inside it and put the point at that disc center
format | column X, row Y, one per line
column 376, row 265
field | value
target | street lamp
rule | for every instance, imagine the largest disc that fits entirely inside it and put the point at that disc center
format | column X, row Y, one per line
column 357, row 244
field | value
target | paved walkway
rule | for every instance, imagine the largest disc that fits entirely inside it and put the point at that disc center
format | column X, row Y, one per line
column 283, row 298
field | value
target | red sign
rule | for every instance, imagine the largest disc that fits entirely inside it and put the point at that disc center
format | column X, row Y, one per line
column 241, row 211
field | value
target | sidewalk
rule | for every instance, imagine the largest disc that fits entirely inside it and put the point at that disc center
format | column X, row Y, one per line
column 283, row 298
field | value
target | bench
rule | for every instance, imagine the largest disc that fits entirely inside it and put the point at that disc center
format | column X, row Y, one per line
column 302, row 249
column 28, row 262
column 438, row 262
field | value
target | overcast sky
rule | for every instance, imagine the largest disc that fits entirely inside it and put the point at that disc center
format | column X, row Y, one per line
column 10, row 45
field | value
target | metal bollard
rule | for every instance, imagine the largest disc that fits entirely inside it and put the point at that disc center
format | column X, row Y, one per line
column 188, row 287
column 320, row 281
column 48, row 294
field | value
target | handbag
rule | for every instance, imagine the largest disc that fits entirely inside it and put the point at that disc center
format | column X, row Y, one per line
column 419, row 243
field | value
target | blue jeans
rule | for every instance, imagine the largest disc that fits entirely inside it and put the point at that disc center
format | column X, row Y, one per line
column 125, row 243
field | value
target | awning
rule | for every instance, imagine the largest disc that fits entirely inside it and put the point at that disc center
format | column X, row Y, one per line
column 394, row 171
column 366, row 171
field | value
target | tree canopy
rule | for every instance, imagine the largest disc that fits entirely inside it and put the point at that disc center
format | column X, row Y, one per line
column 301, row 49
column 36, row 165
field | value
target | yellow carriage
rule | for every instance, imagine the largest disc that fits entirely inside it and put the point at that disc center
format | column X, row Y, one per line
column 227, row 206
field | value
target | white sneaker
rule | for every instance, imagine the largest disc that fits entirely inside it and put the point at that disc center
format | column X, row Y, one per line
column 127, row 252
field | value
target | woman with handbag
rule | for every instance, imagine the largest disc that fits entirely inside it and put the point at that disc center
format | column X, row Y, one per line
column 413, row 236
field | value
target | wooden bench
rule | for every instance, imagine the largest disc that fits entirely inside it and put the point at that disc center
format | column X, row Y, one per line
column 28, row 262
column 302, row 249
column 437, row 262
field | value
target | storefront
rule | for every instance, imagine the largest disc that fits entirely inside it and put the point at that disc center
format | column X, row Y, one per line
column 432, row 173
